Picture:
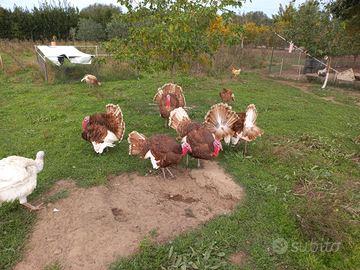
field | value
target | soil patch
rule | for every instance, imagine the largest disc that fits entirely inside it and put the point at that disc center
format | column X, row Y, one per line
column 93, row 225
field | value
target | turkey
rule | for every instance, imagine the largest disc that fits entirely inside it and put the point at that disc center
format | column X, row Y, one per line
column 196, row 134
column 162, row 150
column 227, row 95
column 18, row 178
column 103, row 129
column 91, row 80
column 244, row 128
column 220, row 120
column 169, row 97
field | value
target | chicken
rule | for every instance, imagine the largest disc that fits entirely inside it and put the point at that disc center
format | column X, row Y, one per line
column 169, row 97
column 18, row 178
column 235, row 71
column 220, row 120
column 162, row 150
column 244, row 127
column 91, row 80
column 227, row 95
column 103, row 129
column 196, row 134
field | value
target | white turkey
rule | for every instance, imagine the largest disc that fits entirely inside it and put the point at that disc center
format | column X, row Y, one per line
column 18, row 178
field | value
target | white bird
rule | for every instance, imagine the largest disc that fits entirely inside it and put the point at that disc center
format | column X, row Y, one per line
column 18, row 178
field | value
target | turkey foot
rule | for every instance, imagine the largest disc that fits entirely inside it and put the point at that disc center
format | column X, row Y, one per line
column 33, row 208
column 169, row 172
column 198, row 165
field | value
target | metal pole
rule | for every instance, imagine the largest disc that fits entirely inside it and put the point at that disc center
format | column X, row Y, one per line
column 299, row 65
column 272, row 50
column 46, row 72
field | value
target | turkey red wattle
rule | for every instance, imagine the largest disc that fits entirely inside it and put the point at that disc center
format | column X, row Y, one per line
column 217, row 147
column 186, row 147
column 168, row 100
column 86, row 121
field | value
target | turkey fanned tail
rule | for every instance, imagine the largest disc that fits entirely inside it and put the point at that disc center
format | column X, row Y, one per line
column 219, row 120
column 137, row 143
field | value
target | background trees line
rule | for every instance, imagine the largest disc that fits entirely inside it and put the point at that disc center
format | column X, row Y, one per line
column 95, row 23
column 336, row 20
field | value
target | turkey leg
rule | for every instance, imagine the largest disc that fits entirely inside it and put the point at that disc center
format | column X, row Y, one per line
column 33, row 208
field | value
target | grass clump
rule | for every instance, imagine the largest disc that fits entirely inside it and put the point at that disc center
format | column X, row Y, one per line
column 55, row 265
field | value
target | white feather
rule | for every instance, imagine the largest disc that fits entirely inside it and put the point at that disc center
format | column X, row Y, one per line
column 18, row 177
column 108, row 142
column 152, row 159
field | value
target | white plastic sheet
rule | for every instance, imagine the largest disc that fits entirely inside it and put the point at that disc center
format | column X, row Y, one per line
column 57, row 54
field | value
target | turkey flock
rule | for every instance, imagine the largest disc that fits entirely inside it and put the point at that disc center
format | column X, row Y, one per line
column 200, row 140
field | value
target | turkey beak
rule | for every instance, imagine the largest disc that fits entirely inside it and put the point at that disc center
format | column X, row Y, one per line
column 189, row 148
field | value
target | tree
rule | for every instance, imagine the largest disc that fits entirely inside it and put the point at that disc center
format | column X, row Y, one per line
column 100, row 13
column 315, row 29
column 116, row 28
column 89, row 30
column 348, row 11
column 163, row 33
column 53, row 19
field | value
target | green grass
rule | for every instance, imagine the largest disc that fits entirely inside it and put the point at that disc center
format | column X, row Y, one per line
column 339, row 95
column 298, row 177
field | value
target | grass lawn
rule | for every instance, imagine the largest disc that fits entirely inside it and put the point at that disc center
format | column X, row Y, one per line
column 301, row 177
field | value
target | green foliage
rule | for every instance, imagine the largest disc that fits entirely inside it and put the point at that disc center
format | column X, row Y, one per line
column 257, row 17
column 40, row 23
column 116, row 28
column 100, row 13
column 162, row 34
column 313, row 28
column 89, row 30
column 348, row 11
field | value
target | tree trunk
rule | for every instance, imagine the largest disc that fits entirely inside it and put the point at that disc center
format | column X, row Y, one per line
column 353, row 65
column 172, row 73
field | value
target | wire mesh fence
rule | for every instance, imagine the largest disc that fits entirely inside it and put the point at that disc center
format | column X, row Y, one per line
column 297, row 64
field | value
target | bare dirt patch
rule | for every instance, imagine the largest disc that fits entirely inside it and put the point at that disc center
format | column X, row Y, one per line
column 93, row 225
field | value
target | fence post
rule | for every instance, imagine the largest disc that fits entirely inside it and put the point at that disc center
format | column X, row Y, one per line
column 272, row 50
column 299, row 65
column 46, row 72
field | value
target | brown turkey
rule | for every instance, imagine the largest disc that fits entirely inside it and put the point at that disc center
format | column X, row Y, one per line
column 196, row 134
column 103, row 129
column 91, row 80
column 244, row 127
column 169, row 97
column 162, row 150
column 227, row 95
